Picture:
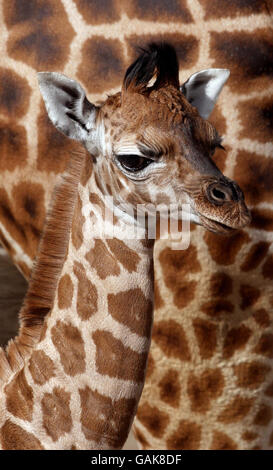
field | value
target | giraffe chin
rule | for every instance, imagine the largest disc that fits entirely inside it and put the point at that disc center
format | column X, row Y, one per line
column 237, row 223
column 216, row 227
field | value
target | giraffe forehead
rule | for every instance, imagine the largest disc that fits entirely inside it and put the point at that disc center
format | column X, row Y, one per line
column 163, row 106
column 163, row 120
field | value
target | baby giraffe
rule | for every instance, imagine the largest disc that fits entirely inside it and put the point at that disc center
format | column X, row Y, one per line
column 73, row 377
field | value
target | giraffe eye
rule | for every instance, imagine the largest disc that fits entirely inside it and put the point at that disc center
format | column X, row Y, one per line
column 133, row 162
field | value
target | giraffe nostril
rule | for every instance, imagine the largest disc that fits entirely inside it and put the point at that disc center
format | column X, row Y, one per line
column 218, row 194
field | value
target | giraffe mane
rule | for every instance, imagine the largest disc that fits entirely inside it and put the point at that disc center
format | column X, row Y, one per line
column 46, row 272
column 158, row 59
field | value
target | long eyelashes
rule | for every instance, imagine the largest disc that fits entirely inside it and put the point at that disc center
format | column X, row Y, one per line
column 133, row 163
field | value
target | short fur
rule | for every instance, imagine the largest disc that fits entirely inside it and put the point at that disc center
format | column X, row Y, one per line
column 49, row 261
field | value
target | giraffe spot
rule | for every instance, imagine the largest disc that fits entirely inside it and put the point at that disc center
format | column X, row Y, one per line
column 169, row 388
column 172, row 11
column 29, row 200
column 205, row 388
column 131, row 308
column 262, row 219
column 87, row 297
column 42, row 45
column 9, row 219
column 68, row 341
column 236, row 339
column 249, row 296
column 261, row 317
column 224, row 250
column 220, row 284
column 20, row 11
column 222, row 441
column 153, row 419
column 171, row 339
column 263, row 416
column 184, row 293
column 175, row 266
column 236, row 410
column 19, row 397
column 253, row 173
column 150, row 365
column 215, row 307
column 102, row 64
column 248, row 54
column 268, row 267
column 116, row 360
column 103, row 417
column 271, row 439
column 94, row 12
column 234, row 8
column 57, row 419
column 187, row 436
column 13, row 437
column 206, row 335
column 140, row 438
column 125, row 255
column 96, row 200
column 41, row 367
column 53, row 146
column 249, row 436
column 269, row 390
column 77, row 225
column 14, row 94
column 186, row 46
column 29, row 206
column 65, row 292
column 265, row 345
column 102, row 260
column 158, row 301
column 250, row 374
column 255, row 117
column 41, row 38
column 13, row 146
column 255, row 256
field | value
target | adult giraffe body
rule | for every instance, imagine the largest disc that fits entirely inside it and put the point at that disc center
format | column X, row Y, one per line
column 234, row 332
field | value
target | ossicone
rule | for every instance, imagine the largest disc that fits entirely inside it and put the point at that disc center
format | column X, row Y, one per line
column 158, row 62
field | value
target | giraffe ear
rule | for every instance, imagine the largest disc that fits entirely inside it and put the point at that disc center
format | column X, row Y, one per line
column 203, row 88
column 67, row 105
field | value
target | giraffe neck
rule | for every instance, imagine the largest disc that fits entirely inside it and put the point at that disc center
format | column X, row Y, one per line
column 83, row 380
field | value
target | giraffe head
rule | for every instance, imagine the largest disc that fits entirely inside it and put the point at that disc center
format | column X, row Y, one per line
column 151, row 143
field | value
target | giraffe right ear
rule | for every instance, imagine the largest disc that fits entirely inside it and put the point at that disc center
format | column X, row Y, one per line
column 67, row 105
column 203, row 88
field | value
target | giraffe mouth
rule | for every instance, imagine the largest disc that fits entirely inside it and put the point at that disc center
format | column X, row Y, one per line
column 215, row 226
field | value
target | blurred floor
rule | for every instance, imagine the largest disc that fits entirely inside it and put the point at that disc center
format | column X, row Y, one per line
column 12, row 291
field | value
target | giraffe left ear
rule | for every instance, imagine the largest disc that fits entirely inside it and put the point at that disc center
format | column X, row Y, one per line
column 203, row 88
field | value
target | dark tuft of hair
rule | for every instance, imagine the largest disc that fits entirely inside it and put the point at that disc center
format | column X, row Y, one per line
column 157, row 58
